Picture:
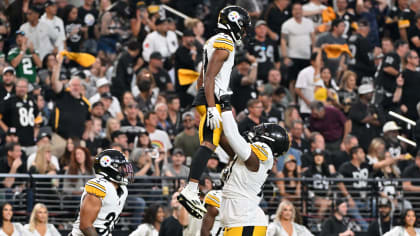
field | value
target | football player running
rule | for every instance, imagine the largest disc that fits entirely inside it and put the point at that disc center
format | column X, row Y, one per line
column 104, row 197
column 242, row 191
column 214, row 79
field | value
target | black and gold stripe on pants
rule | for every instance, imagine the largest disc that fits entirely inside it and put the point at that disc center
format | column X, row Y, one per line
column 246, row 231
column 204, row 132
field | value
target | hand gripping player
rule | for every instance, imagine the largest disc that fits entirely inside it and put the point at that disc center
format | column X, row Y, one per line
column 104, row 197
column 218, row 61
column 240, row 213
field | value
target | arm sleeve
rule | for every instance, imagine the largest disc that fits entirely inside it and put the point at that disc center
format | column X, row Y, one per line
column 147, row 48
column 236, row 141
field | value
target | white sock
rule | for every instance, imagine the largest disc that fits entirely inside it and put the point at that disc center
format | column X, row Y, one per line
column 192, row 185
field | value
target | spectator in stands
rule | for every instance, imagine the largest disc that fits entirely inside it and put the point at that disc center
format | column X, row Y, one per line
column 412, row 187
column 12, row 163
column 407, row 225
column 299, row 142
column 145, row 96
column 69, row 102
column 43, row 138
column 96, row 137
column 337, row 224
column 103, row 86
column 177, row 167
column 274, row 84
column 158, row 137
column 188, row 140
column 185, row 58
column 38, row 223
column 50, row 17
column 264, row 50
column 313, row 10
column 289, row 189
column 270, row 113
column 80, row 164
column 319, row 187
column 161, row 110
column 174, row 113
column 10, row 137
column 40, row 34
column 366, row 118
column 71, row 144
column 124, row 69
column 284, row 223
column 242, row 81
column 179, row 218
column 253, row 7
column 390, row 71
column 356, row 192
column 414, row 35
column 126, row 99
column 334, row 37
column 347, row 95
column 305, row 87
column 153, row 218
column 409, row 96
column 331, row 123
column 131, row 125
column 255, row 108
column 22, row 55
column 20, row 116
column 7, row 227
column 88, row 16
column 297, row 38
column 7, row 86
column 316, row 142
column 162, row 40
column 75, row 32
column 161, row 76
column 392, row 144
column 385, row 222
column 291, row 114
column 120, row 138
column 275, row 14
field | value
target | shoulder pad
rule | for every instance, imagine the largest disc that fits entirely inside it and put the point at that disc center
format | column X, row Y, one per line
column 96, row 187
column 213, row 198
column 223, row 41
column 262, row 150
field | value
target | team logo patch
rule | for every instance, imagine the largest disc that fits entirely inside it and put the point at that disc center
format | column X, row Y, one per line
column 105, row 161
column 233, row 16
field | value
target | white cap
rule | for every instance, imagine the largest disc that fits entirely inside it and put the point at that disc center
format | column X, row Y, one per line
column 390, row 126
column 365, row 88
column 9, row 69
column 101, row 82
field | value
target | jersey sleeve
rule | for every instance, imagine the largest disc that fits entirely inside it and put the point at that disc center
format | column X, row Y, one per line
column 212, row 198
column 95, row 187
column 260, row 151
column 223, row 43
column 13, row 53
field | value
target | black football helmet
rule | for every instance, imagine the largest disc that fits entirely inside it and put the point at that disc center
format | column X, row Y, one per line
column 113, row 165
column 235, row 20
column 275, row 136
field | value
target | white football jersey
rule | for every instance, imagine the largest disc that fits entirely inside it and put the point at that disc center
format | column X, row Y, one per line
column 214, row 198
column 113, row 201
column 242, row 191
column 222, row 79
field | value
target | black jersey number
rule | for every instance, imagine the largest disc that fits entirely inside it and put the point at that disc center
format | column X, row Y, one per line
column 110, row 221
column 26, row 116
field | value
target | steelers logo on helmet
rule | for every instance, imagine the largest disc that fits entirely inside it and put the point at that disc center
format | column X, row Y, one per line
column 233, row 16
column 105, row 161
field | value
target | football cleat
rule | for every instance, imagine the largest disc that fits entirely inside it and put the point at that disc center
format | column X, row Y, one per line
column 191, row 202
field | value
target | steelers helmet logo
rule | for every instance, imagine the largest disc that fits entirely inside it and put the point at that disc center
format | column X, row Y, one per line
column 233, row 16
column 105, row 161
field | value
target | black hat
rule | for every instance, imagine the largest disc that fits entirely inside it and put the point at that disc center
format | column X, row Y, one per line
column 156, row 55
column 241, row 59
column 363, row 22
column 106, row 95
column 338, row 202
column 214, row 156
column 42, row 135
column 160, row 21
column 11, row 131
column 188, row 33
column 178, row 151
column 98, row 103
column 115, row 134
column 49, row 3
column 36, row 8
column 318, row 152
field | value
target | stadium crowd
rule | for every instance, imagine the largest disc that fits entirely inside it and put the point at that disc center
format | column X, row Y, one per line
column 329, row 71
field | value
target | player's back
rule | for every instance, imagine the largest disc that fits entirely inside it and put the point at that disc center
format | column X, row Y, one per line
column 113, row 201
column 224, row 42
column 242, row 191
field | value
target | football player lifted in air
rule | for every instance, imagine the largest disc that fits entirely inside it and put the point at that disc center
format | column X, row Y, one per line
column 214, row 79
column 104, row 197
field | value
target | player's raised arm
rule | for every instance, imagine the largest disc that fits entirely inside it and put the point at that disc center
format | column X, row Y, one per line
column 88, row 212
